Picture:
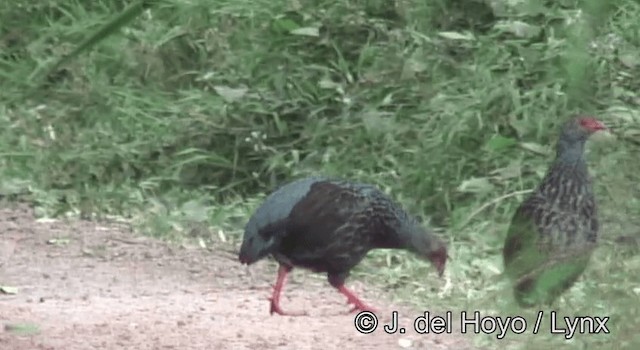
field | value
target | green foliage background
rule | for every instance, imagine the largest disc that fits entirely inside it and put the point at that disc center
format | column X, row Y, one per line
column 184, row 117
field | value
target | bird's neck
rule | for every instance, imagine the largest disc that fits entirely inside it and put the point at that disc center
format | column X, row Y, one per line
column 402, row 237
column 568, row 170
column 411, row 237
column 570, row 150
column 570, row 155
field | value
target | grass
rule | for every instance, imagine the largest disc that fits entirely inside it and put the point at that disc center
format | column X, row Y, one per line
column 184, row 117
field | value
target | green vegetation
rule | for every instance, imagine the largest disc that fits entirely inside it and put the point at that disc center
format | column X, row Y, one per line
column 183, row 118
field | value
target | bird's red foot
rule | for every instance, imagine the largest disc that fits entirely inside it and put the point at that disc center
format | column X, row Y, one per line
column 358, row 305
column 275, row 308
column 277, row 289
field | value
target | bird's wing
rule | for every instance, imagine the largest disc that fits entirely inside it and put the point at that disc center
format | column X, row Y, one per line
column 522, row 248
column 590, row 211
column 320, row 214
column 540, row 235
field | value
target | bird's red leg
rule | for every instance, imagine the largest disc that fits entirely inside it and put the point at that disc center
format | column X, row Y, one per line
column 359, row 305
column 337, row 281
column 283, row 271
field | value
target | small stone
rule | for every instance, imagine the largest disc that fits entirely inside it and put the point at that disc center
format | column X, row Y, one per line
column 405, row 343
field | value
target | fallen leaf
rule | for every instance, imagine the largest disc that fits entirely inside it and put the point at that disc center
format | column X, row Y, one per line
column 8, row 290
column 456, row 36
column 476, row 185
column 58, row 241
column 230, row 94
column 22, row 328
column 307, row 31
column 535, row 147
column 518, row 28
column 405, row 343
column 222, row 236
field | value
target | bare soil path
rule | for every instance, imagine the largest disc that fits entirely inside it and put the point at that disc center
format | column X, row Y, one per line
column 103, row 287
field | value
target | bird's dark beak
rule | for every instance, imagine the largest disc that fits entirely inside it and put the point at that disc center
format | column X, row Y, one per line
column 440, row 268
column 442, row 263
column 439, row 260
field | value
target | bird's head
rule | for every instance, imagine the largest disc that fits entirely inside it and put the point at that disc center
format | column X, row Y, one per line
column 573, row 135
column 579, row 128
column 432, row 248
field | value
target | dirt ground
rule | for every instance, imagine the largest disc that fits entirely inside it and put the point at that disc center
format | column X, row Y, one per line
column 100, row 286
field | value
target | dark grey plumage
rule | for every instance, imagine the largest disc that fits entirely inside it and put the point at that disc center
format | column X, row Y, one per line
column 554, row 231
column 328, row 226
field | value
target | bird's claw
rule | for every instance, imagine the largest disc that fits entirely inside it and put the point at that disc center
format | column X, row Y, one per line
column 359, row 307
column 276, row 309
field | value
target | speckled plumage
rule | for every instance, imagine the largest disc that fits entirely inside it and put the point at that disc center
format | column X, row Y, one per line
column 328, row 226
column 554, row 231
